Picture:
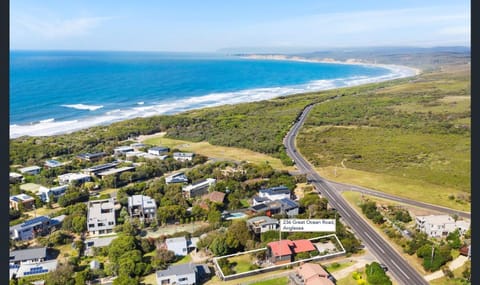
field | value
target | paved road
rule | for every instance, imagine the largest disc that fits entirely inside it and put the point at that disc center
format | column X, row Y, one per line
column 366, row 191
column 399, row 268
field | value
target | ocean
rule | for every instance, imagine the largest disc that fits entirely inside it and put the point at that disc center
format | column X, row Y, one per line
column 54, row 92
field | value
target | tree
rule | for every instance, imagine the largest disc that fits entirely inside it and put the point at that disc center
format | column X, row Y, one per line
column 162, row 258
column 237, row 235
column 63, row 275
column 125, row 280
column 119, row 246
column 214, row 217
column 219, row 245
column 376, row 275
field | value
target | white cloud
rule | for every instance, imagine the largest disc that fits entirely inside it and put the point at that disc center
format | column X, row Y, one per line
column 455, row 31
column 55, row 28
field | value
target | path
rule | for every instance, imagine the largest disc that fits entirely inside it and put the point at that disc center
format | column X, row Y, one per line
column 458, row 262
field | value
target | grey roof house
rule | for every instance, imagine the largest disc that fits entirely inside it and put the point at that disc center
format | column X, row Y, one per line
column 176, row 178
column 198, row 189
column 182, row 274
column 29, row 255
column 262, row 224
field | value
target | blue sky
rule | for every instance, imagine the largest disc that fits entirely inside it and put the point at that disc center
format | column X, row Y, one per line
column 209, row 25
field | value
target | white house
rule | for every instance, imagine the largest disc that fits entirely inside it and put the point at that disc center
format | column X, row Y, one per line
column 158, row 150
column 142, row 207
column 183, row 156
column 440, row 225
column 178, row 245
column 101, row 216
column 176, row 178
column 32, row 170
column 122, row 150
column 68, row 178
column 198, row 189
column 275, row 193
column 44, row 192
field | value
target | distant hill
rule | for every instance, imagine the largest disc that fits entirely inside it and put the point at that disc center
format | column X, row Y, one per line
column 424, row 58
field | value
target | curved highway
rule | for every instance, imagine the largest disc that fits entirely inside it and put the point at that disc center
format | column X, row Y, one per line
column 386, row 254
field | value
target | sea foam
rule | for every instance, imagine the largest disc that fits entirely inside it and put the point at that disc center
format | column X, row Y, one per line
column 52, row 127
column 84, row 107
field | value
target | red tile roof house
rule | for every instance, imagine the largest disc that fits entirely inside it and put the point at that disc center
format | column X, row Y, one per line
column 284, row 251
column 310, row 274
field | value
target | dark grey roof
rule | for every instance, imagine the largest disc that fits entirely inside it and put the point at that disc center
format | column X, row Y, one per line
column 181, row 269
column 288, row 204
column 259, row 207
column 27, row 254
column 276, row 190
column 260, row 199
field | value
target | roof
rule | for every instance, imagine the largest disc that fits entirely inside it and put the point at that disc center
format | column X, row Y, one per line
column 308, row 270
column 30, row 223
column 281, row 248
column 215, row 196
column 21, row 197
column 101, row 167
column 29, row 168
column 288, row 203
column 122, row 148
column 116, row 170
column 37, row 268
column 141, row 200
column 287, row 247
column 73, row 176
column 276, row 190
column 262, row 220
column 159, row 148
column 260, row 199
column 181, row 269
column 183, row 154
column 180, row 241
column 436, row 219
column 27, row 254
column 53, row 163
column 95, row 209
column 15, row 175
column 91, row 155
column 259, row 207
column 302, row 245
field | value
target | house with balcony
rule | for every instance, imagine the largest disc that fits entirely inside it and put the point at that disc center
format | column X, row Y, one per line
column 275, row 193
column 261, row 224
column 101, row 217
column 439, row 226
column 198, row 189
column 142, row 207
column 28, row 256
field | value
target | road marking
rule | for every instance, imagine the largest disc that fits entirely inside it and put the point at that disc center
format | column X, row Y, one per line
column 374, row 242
column 339, row 205
column 394, row 263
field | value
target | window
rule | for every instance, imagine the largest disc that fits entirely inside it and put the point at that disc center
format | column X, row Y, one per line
column 182, row 279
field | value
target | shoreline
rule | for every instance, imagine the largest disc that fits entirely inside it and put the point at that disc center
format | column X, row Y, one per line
column 52, row 127
column 352, row 61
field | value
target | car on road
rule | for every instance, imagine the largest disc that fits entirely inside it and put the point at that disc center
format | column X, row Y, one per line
column 384, row 267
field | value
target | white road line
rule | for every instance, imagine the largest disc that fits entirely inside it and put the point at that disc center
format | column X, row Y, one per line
column 339, row 205
column 394, row 263
column 374, row 242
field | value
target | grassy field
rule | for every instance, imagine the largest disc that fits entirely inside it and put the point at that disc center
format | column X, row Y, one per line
column 400, row 186
column 185, row 259
column 251, row 279
column 243, row 263
column 218, row 152
column 411, row 139
column 275, row 281
column 336, row 266
column 349, row 280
